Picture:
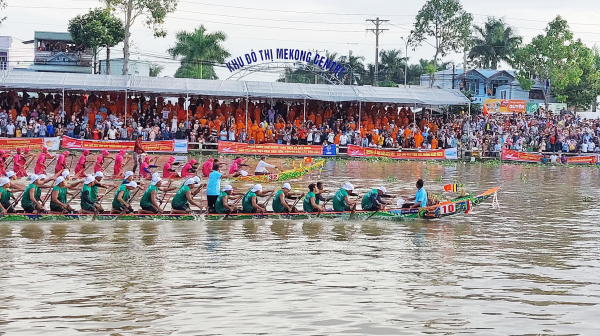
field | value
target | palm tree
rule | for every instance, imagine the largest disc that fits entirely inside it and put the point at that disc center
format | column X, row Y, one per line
column 355, row 67
column 198, row 51
column 392, row 65
column 496, row 42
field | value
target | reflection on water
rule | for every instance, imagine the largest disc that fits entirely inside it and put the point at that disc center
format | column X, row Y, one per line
column 530, row 267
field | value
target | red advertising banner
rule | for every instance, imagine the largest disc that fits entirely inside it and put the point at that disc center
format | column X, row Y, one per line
column 512, row 155
column 111, row 145
column 357, row 151
column 14, row 143
column 592, row 159
column 268, row 149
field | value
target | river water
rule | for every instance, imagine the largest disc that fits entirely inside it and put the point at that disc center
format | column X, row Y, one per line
column 528, row 268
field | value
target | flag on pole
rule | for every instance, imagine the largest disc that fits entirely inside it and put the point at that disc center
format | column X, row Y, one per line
column 469, row 206
column 307, row 159
column 451, row 187
column 485, row 110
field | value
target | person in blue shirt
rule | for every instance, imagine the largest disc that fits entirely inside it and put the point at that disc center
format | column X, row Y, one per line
column 50, row 129
column 213, row 188
column 420, row 198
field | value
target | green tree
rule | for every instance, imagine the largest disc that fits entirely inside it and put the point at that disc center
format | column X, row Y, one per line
column 392, row 66
column 198, row 51
column 444, row 20
column 495, row 42
column 550, row 58
column 154, row 11
column 96, row 29
column 584, row 94
column 156, row 69
column 356, row 68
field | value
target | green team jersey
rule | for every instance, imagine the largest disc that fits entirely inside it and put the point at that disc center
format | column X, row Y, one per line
column 179, row 200
column 62, row 197
column 26, row 201
column 116, row 205
column 366, row 201
column 277, row 205
column 306, row 203
column 5, row 198
column 219, row 205
column 146, row 201
column 94, row 192
column 339, row 200
column 85, row 205
column 247, row 201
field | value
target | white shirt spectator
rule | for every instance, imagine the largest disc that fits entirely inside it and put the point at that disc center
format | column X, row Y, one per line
column 112, row 134
column 343, row 140
column 22, row 119
column 10, row 129
column 165, row 114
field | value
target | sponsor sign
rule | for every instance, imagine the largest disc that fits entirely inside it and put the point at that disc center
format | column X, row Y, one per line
column 167, row 146
column 511, row 155
column 357, row 151
column 554, row 107
column 274, row 149
column 592, row 159
column 31, row 143
column 505, row 105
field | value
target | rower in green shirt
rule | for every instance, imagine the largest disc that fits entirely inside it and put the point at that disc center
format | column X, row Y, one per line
column 341, row 202
column 31, row 201
column 149, row 202
column 372, row 201
column 280, row 205
column 121, row 200
column 311, row 202
column 222, row 205
column 5, row 196
column 250, row 200
column 184, row 197
column 58, row 197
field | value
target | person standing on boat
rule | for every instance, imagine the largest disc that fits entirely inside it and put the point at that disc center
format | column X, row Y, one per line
column 137, row 152
column 99, row 166
column 168, row 171
column 372, row 201
column 58, row 198
column 118, row 166
column 250, row 200
column 311, row 202
column 5, row 196
column 121, row 200
column 261, row 167
column 222, row 205
column 280, row 205
column 31, row 201
column 149, row 202
column 214, row 186
column 341, row 202
column 40, row 164
column 80, row 167
column 61, row 162
column 420, row 197
column 184, row 197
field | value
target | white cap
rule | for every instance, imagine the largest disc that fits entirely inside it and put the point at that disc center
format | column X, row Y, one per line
column 256, row 188
column 157, row 174
column 42, row 176
column 348, row 186
column 196, row 179
column 131, row 184
column 65, row 173
column 286, row 186
column 243, row 173
column 89, row 179
column 33, row 178
column 190, row 181
column 228, row 188
column 155, row 179
column 128, row 174
column 10, row 174
column 59, row 180
column 4, row 181
column 382, row 189
column 99, row 174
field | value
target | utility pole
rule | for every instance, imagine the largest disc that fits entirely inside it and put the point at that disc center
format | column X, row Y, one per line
column 377, row 31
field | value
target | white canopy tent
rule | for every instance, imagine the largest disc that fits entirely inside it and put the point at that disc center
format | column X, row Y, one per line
column 49, row 81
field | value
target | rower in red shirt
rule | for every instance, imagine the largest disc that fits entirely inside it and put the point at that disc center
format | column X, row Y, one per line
column 98, row 167
column 118, row 167
column 40, row 165
column 61, row 162
column 168, row 171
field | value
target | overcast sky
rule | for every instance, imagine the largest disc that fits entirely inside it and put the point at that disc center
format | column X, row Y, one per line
column 317, row 25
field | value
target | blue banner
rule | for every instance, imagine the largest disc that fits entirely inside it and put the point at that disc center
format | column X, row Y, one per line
column 329, row 150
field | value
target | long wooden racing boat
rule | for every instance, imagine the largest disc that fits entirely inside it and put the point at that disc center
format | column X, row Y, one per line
column 453, row 207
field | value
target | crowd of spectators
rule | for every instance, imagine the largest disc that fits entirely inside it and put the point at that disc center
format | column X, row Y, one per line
column 102, row 116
